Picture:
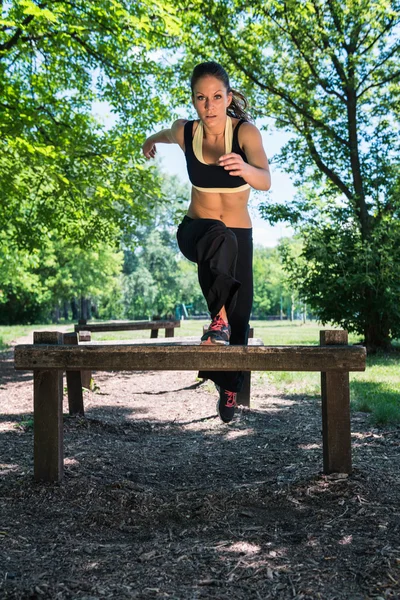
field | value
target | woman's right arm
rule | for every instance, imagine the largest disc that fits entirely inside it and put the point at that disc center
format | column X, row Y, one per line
column 165, row 136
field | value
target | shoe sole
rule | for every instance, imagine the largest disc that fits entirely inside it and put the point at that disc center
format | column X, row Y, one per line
column 209, row 342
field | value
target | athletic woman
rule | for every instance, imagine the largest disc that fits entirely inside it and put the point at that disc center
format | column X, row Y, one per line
column 225, row 158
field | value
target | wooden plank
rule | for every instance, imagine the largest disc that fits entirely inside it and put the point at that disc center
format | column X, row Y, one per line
column 48, row 416
column 188, row 340
column 171, row 357
column 336, row 427
column 74, row 382
column 127, row 326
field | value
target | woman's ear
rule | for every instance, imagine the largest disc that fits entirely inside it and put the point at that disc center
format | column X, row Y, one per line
column 229, row 100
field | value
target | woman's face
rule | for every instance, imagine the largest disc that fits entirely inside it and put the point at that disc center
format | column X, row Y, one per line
column 211, row 99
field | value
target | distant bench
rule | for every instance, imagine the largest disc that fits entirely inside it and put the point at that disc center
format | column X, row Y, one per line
column 52, row 353
column 154, row 326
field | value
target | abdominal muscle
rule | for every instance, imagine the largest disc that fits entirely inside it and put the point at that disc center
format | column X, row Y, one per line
column 231, row 208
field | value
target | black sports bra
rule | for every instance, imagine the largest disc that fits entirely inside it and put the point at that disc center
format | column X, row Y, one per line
column 212, row 178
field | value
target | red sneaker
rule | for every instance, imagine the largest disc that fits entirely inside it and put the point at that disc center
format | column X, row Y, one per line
column 226, row 405
column 218, row 332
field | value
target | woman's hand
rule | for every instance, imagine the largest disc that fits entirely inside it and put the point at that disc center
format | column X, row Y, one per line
column 235, row 164
column 149, row 148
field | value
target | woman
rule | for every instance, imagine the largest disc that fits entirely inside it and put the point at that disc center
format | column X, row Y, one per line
column 225, row 158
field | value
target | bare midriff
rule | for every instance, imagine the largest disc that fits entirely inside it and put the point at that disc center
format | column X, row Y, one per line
column 230, row 208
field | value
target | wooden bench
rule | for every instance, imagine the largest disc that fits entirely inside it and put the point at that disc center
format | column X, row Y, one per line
column 48, row 357
column 154, row 326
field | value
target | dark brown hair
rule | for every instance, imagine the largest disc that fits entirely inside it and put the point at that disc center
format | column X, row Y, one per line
column 239, row 104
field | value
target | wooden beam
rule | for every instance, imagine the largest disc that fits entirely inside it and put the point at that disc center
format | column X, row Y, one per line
column 171, row 357
column 48, row 415
column 336, row 428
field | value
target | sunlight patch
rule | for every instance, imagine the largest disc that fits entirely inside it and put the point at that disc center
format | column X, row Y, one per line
column 6, row 468
column 236, row 433
column 309, row 446
column 244, row 548
column 71, row 462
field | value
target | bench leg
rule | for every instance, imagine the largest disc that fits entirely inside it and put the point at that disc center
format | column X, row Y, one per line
column 86, row 376
column 336, row 428
column 243, row 397
column 74, row 382
column 154, row 333
column 48, row 417
column 169, row 332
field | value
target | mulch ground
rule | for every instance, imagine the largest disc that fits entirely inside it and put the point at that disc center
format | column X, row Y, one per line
column 162, row 500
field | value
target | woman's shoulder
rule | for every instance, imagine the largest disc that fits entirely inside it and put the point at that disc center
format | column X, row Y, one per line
column 179, row 124
column 248, row 131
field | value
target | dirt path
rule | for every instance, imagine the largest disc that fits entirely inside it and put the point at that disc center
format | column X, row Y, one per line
column 161, row 500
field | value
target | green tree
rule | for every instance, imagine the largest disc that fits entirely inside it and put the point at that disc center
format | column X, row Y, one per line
column 60, row 169
column 328, row 73
column 35, row 283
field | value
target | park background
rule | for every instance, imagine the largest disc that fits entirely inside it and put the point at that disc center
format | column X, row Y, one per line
column 88, row 225
column 160, row 499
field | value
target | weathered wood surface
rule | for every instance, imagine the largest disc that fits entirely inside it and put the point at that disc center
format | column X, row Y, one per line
column 128, row 326
column 336, row 426
column 170, row 357
column 48, row 416
column 187, row 340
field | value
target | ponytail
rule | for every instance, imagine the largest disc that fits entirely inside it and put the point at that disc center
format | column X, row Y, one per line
column 238, row 106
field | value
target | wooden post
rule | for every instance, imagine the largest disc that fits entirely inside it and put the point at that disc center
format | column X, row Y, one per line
column 74, row 382
column 154, row 333
column 335, row 393
column 169, row 332
column 243, row 397
column 86, row 376
column 48, row 416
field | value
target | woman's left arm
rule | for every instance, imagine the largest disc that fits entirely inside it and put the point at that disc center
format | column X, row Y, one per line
column 256, row 171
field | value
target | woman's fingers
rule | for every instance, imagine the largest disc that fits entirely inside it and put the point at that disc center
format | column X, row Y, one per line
column 149, row 152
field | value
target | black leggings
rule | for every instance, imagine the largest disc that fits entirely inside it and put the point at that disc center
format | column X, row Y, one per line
column 224, row 257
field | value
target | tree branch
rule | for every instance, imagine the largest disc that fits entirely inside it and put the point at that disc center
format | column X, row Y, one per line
column 389, row 55
column 380, row 83
column 378, row 37
column 325, row 40
column 323, row 167
column 278, row 92
column 321, row 82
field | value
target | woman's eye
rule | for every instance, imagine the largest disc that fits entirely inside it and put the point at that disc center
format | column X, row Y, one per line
column 218, row 97
column 200, row 97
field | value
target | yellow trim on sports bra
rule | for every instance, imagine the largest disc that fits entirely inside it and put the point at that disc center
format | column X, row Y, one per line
column 198, row 139
column 241, row 188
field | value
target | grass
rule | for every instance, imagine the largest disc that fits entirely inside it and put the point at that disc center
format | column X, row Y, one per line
column 376, row 391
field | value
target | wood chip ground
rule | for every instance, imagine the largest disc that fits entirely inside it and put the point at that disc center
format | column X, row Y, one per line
column 162, row 500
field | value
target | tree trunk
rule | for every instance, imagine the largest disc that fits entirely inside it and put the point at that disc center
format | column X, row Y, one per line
column 74, row 308
column 65, row 310
column 377, row 336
